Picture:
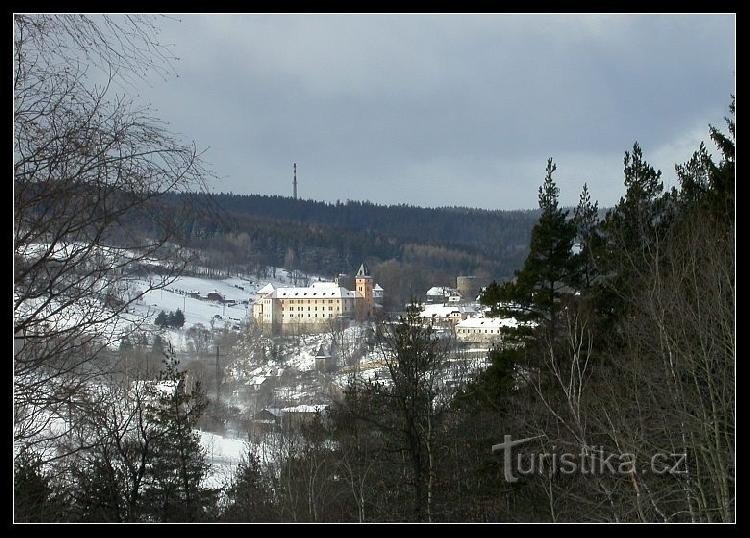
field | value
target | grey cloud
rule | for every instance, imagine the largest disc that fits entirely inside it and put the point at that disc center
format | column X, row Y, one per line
column 441, row 109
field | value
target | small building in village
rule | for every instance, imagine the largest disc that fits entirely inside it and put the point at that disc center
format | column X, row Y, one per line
column 484, row 330
column 325, row 360
column 441, row 295
column 265, row 421
column 446, row 315
column 300, row 415
column 377, row 294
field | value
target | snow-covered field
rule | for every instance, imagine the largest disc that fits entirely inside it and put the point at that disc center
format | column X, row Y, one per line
column 224, row 454
column 175, row 296
column 239, row 289
column 238, row 293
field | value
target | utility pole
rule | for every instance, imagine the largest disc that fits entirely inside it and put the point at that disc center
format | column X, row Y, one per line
column 218, row 376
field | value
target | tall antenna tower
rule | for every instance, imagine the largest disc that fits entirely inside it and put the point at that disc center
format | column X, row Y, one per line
column 295, row 181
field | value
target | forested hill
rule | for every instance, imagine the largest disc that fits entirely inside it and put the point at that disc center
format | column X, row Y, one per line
column 483, row 229
column 406, row 247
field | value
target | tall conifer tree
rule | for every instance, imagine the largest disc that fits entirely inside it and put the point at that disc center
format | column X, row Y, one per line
column 549, row 269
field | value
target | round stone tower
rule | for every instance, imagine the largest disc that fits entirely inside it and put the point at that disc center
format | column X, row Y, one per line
column 468, row 287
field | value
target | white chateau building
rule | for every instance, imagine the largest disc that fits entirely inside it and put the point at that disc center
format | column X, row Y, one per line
column 482, row 329
column 311, row 309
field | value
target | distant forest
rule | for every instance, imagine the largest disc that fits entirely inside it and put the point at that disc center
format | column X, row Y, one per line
column 407, row 248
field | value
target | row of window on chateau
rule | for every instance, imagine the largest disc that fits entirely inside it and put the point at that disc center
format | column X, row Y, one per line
column 308, row 315
column 300, row 308
column 302, row 301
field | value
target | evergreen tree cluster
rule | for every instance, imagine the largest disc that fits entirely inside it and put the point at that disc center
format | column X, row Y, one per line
column 175, row 319
column 626, row 341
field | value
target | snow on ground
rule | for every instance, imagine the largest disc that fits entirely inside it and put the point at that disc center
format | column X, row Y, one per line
column 195, row 310
column 305, row 408
column 224, row 454
column 175, row 295
column 142, row 313
column 240, row 289
column 302, row 361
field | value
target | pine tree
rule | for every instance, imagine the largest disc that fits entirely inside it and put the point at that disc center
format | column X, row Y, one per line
column 630, row 232
column 179, row 466
column 35, row 498
column 549, row 269
column 161, row 320
column 250, row 495
column 707, row 184
column 97, row 487
column 723, row 175
column 178, row 320
column 585, row 218
column 695, row 176
column 633, row 223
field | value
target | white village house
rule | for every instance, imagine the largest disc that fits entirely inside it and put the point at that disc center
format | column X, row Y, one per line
column 482, row 329
column 446, row 314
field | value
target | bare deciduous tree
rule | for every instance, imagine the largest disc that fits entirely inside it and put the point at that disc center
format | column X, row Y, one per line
column 417, row 362
column 92, row 175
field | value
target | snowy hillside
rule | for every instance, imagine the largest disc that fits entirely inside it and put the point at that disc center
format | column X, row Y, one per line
column 176, row 296
column 191, row 295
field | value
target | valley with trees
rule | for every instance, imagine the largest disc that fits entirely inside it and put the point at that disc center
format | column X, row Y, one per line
column 140, row 358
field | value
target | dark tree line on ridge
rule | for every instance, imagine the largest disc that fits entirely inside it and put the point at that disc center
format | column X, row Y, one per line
column 251, row 232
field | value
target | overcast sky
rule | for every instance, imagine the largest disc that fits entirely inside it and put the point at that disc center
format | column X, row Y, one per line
column 438, row 110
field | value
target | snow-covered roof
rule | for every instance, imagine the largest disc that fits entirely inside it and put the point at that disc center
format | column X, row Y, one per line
column 257, row 380
column 304, row 408
column 325, row 292
column 487, row 323
column 322, row 351
column 165, row 387
column 363, row 270
column 378, row 288
column 441, row 290
column 324, row 284
column 268, row 288
column 442, row 311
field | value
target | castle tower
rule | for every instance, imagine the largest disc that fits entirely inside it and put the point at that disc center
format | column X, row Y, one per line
column 363, row 287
